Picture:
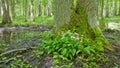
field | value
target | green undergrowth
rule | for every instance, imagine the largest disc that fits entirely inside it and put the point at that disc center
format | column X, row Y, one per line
column 67, row 46
column 115, row 19
column 17, row 63
column 40, row 20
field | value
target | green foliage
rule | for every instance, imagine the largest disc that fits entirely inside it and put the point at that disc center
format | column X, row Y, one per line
column 20, row 63
column 16, row 62
column 115, row 19
column 40, row 20
column 44, row 2
column 66, row 46
column 40, row 51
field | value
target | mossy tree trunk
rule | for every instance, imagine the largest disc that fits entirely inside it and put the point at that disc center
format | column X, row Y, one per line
column 81, row 19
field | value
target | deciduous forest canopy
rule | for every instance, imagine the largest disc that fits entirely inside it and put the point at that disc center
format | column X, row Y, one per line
column 59, row 33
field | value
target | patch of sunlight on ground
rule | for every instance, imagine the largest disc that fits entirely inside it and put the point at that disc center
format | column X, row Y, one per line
column 114, row 25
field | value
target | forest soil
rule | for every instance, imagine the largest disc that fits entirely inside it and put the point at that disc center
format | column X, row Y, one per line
column 113, row 37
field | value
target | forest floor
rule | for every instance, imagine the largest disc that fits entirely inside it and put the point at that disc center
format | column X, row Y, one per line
column 28, row 56
column 114, row 38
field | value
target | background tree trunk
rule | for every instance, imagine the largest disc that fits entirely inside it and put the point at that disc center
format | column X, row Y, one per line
column 119, row 8
column 39, row 8
column 0, row 9
column 12, row 9
column 102, row 24
column 107, row 8
column 6, row 16
column 31, row 12
column 49, row 8
column 25, row 9
column 115, row 7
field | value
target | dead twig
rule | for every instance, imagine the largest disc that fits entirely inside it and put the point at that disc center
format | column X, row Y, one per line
column 16, row 50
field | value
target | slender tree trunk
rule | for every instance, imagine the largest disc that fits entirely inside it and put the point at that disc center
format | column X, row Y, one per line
column 115, row 7
column 6, row 16
column 107, row 8
column 49, row 8
column 25, row 10
column 119, row 8
column 12, row 9
column 102, row 8
column 101, row 22
column 31, row 12
column 44, row 7
column 39, row 8
column 0, row 9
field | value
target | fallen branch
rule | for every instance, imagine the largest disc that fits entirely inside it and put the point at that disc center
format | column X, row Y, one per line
column 6, row 61
column 16, row 50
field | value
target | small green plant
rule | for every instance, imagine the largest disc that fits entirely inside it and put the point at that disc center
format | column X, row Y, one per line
column 66, row 45
column 20, row 63
column 39, row 51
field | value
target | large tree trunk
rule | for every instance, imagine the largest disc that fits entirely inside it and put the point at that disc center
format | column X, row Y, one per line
column 62, row 12
column 6, row 16
column 82, row 19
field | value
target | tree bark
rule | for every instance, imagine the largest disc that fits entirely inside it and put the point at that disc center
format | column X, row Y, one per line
column 82, row 19
column 6, row 16
column 49, row 8
column 62, row 12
